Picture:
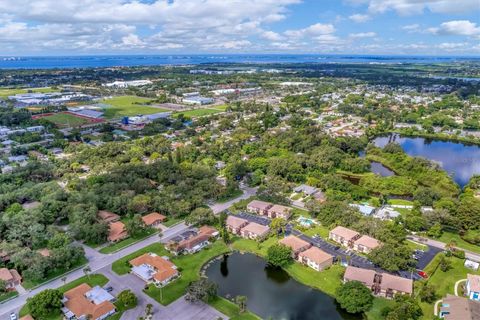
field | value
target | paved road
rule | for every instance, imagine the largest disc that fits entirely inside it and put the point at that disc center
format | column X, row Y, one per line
column 441, row 245
column 247, row 193
column 97, row 261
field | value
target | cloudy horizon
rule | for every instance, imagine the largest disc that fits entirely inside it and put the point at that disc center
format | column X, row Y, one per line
column 88, row 27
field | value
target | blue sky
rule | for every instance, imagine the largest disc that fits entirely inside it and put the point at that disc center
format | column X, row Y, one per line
column 425, row 27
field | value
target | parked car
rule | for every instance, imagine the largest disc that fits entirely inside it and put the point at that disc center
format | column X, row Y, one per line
column 13, row 316
column 109, row 289
column 423, row 274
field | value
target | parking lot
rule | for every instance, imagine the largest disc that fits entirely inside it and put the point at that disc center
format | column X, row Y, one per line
column 264, row 221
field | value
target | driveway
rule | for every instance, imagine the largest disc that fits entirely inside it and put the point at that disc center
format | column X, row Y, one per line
column 177, row 310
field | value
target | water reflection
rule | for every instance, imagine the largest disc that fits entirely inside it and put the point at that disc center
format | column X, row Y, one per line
column 459, row 160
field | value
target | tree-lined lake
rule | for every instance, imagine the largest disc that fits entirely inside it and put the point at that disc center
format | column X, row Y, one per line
column 271, row 292
column 461, row 161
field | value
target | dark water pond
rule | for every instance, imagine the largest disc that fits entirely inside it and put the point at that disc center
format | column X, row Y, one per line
column 459, row 160
column 271, row 292
column 380, row 169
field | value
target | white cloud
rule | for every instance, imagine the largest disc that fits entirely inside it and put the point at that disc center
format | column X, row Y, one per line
column 311, row 31
column 132, row 40
column 362, row 35
column 411, row 28
column 457, row 27
column 359, row 18
column 451, row 45
column 271, row 36
column 408, row 7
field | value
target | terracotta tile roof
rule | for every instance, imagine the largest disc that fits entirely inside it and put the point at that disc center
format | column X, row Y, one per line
column 368, row 242
column 235, row 222
column 259, row 205
column 108, row 216
column 81, row 306
column 396, row 283
column 192, row 241
column 474, row 281
column 27, row 317
column 164, row 269
column 5, row 275
column 117, row 231
column 207, row 230
column 153, row 218
column 316, row 255
column 365, row 276
column 256, row 228
column 294, row 242
column 345, row 233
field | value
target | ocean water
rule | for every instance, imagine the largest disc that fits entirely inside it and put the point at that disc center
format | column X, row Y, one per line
column 52, row 62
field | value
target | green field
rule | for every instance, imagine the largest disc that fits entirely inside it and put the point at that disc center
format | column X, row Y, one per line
column 5, row 92
column 127, row 106
column 231, row 310
column 448, row 237
column 65, row 120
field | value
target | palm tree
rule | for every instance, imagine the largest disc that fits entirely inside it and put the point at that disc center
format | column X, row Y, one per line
column 241, row 301
column 87, row 271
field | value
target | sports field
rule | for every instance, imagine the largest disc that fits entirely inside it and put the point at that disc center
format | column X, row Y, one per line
column 66, row 120
column 123, row 106
column 203, row 111
column 5, row 92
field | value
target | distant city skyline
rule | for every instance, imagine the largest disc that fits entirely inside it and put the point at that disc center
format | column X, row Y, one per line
column 89, row 27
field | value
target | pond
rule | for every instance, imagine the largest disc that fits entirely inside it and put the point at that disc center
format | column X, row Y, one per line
column 270, row 291
column 380, row 169
column 459, row 160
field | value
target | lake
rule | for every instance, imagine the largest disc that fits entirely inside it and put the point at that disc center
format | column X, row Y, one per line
column 461, row 161
column 271, row 292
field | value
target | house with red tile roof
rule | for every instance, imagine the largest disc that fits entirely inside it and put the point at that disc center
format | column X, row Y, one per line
column 107, row 216
column 255, row 231
column 344, row 236
column 11, row 277
column 472, row 287
column 152, row 268
column 85, row 302
column 117, row 231
column 296, row 244
column 366, row 244
column 381, row 284
column 194, row 243
column 154, row 219
column 315, row 258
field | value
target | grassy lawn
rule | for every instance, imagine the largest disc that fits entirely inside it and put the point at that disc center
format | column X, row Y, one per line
column 416, row 246
column 401, row 202
column 5, row 92
column 66, row 120
column 231, row 310
column 172, row 220
column 8, row 295
column 317, row 229
column 199, row 112
column 128, row 106
column 189, row 266
column 28, row 284
column 92, row 280
column 375, row 313
column 444, row 282
column 447, row 237
column 124, row 243
column 327, row 281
